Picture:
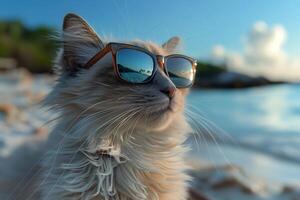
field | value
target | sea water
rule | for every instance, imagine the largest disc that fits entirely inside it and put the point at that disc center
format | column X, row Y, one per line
column 256, row 128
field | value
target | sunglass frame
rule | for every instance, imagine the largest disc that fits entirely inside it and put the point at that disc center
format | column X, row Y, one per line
column 158, row 60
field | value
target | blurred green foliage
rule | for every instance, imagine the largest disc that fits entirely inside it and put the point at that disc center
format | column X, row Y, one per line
column 31, row 47
column 208, row 71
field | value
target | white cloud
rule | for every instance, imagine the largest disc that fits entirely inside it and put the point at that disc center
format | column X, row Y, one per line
column 263, row 54
column 218, row 52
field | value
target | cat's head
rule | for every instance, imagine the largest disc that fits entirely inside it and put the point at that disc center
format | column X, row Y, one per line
column 99, row 96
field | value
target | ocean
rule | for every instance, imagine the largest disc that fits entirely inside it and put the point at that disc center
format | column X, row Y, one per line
column 256, row 128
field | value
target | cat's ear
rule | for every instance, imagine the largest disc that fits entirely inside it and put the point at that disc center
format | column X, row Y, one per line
column 172, row 44
column 80, row 42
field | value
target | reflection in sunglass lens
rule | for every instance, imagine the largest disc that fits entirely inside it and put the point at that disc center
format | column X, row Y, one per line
column 134, row 66
column 180, row 71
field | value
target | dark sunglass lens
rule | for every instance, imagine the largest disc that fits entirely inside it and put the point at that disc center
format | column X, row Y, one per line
column 134, row 66
column 180, row 71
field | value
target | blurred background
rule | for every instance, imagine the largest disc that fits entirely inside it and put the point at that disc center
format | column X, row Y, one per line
column 245, row 104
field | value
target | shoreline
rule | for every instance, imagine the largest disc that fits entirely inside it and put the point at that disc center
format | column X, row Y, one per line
column 227, row 172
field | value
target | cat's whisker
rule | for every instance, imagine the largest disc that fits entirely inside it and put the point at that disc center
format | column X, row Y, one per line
column 130, row 132
column 126, row 119
column 198, row 132
column 129, row 114
column 213, row 126
column 214, row 140
column 103, row 84
column 194, row 126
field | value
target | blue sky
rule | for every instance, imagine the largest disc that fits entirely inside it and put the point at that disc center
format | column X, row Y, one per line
column 201, row 23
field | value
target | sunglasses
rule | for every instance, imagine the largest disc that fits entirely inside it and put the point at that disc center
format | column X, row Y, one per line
column 137, row 65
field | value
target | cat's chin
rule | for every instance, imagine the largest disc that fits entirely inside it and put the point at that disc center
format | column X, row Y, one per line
column 160, row 120
column 162, row 123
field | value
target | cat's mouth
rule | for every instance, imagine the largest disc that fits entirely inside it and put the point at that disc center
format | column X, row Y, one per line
column 173, row 106
column 168, row 107
column 161, row 116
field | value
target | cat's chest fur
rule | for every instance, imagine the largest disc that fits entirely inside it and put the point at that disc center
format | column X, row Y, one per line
column 150, row 167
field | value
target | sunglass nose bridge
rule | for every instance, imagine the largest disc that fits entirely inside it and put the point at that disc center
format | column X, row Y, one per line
column 160, row 60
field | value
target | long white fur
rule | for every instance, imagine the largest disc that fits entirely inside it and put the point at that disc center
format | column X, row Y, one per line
column 104, row 150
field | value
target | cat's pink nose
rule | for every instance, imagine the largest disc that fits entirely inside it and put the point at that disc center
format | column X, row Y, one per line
column 169, row 91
